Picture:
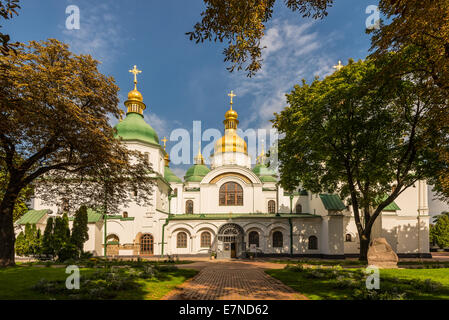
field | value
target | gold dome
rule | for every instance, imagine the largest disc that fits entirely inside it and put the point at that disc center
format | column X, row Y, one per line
column 230, row 142
column 135, row 95
column 231, row 114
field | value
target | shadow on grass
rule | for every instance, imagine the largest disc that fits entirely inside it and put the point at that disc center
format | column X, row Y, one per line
column 42, row 283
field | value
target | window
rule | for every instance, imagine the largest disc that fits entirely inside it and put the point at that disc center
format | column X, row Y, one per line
column 231, row 194
column 125, row 214
column 147, row 158
column 298, row 208
column 271, row 206
column 253, row 238
column 313, row 243
column 175, row 192
column 348, row 237
column 277, row 239
column 181, row 240
column 189, row 207
column 205, row 239
column 112, row 239
column 64, row 205
column 146, row 244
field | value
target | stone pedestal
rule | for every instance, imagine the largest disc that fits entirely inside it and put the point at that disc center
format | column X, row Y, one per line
column 381, row 255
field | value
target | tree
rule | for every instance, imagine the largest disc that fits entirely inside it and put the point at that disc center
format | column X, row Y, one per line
column 54, row 128
column 29, row 242
column 80, row 230
column 8, row 8
column 242, row 23
column 47, row 239
column 440, row 230
column 362, row 134
column 20, row 207
column 61, row 233
column 420, row 27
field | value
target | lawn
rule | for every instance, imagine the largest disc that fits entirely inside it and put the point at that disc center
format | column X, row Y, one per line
column 332, row 284
column 16, row 283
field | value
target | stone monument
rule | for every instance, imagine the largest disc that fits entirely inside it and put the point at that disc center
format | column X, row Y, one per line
column 381, row 255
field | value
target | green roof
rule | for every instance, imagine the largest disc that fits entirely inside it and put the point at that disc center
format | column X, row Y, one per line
column 332, row 202
column 170, row 176
column 32, row 216
column 196, row 173
column 220, row 216
column 92, row 216
column 134, row 127
column 264, row 173
column 392, row 207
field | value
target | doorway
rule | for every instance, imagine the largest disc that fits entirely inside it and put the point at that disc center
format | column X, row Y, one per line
column 233, row 251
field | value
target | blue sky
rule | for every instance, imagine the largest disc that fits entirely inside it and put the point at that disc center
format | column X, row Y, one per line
column 184, row 82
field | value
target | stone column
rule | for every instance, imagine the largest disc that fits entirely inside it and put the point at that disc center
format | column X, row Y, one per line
column 332, row 239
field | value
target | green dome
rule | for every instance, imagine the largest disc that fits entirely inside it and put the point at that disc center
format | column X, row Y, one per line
column 134, row 127
column 196, row 173
column 265, row 174
column 170, row 176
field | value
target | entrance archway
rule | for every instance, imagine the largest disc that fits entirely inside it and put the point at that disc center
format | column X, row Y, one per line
column 230, row 241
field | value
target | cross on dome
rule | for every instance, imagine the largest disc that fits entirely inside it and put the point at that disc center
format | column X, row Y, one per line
column 135, row 71
column 339, row 66
column 165, row 142
column 232, row 95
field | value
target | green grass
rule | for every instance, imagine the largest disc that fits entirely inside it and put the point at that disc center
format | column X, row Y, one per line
column 402, row 280
column 16, row 283
column 322, row 262
column 347, row 262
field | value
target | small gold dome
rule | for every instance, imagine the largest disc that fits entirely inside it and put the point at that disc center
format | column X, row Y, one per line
column 231, row 142
column 231, row 114
column 135, row 95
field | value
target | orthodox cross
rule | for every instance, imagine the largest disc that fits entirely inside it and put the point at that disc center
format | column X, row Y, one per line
column 339, row 66
column 120, row 112
column 165, row 142
column 232, row 95
column 135, row 72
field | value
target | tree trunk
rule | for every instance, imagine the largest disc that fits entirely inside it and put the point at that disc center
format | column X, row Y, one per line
column 364, row 246
column 7, row 237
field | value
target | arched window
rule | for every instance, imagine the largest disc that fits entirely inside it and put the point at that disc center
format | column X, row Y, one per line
column 205, row 239
column 181, row 240
column 112, row 239
column 253, row 238
column 277, row 239
column 348, row 237
column 125, row 214
column 298, row 208
column 313, row 243
column 231, row 194
column 271, row 206
column 189, row 207
column 146, row 244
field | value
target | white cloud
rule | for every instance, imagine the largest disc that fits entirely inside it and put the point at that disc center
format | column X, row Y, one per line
column 292, row 52
column 179, row 171
column 159, row 124
column 99, row 34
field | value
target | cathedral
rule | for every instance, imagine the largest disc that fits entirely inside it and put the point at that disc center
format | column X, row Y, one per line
column 232, row 209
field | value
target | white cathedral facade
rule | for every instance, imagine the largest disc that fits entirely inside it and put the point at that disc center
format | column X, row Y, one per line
column 231, row 208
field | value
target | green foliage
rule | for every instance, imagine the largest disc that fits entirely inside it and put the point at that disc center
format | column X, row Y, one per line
column 28, row 243
column 47, row 240
column 80, row 229
column 439, row 232
column 360, row 133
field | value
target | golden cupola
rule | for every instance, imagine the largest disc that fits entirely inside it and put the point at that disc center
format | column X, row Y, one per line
column 135, row 100
column 231, row 141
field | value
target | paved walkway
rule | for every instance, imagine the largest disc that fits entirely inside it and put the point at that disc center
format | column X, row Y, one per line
column 233, row 280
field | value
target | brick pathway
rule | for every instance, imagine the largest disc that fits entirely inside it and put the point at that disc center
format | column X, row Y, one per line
column 233, row 280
